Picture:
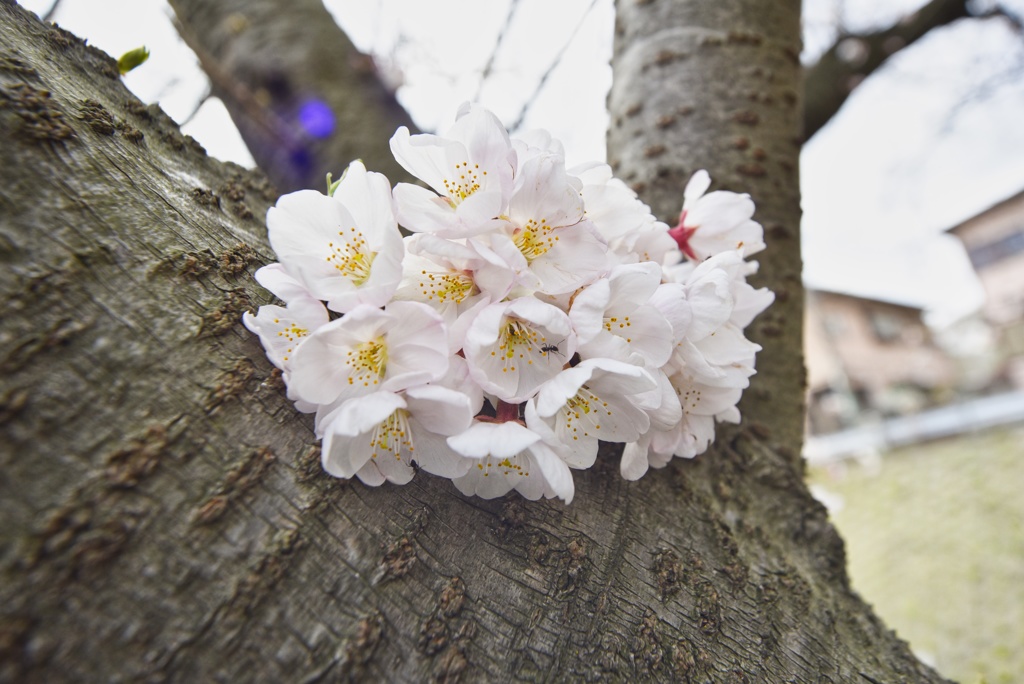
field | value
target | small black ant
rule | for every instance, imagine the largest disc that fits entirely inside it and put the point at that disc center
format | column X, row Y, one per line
column 547, row 348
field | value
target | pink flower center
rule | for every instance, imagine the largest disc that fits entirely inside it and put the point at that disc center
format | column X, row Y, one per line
column 681, row 234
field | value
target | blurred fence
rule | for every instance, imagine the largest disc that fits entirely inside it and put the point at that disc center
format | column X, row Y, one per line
column 947, row 421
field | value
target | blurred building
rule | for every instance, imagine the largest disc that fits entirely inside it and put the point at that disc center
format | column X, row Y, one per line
column 869, row 357
column 994, row 240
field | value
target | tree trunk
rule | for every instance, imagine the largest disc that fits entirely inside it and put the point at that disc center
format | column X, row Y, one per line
column 716, row 86
column 304, row 99
column 165, row 516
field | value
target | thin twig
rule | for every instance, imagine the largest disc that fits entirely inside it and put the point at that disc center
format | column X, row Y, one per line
column 980, row 92
column 52, row 11
column 554, row 63
column 485, row 74
column 207, row 94
column 261, row 116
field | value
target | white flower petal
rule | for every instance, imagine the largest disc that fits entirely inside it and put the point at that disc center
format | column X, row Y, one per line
column 587, row 312
column 500, row 440
column 372, row 476
column 367, row 197
column 282, row 330
column 543, row 193
column 335, row 256
column 346, row 447
column 634, row 460
column 509, row 456
column 514, row 347
column 577, row 258
column 417, row 345
column 275, row 278
column 698, row 184
column 343, row 455
column 425, row 156
column 433, row 454
column 670, row 300
column 393, row 468
column 369, row 350
column 444, row 411
column 470, row 167
column 555, row 472
column 357, row 416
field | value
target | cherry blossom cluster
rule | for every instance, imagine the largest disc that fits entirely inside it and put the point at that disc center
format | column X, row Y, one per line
column 532, row 311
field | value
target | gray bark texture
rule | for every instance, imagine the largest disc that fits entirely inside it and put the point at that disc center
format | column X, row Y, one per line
column 164, row 513
column 268, row 60
column 717, row 86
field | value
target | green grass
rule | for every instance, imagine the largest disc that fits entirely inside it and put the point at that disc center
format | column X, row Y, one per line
column 935, row 541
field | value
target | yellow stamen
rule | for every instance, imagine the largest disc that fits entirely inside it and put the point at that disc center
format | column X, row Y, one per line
column 352, row 258
column 368, row 361
column 392, row 436
column 534, row 239
column 465, row 182
column 446, row 286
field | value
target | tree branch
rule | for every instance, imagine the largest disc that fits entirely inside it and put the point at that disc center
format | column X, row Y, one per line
column 502, row 33
column 305, row 101
column 829, row 82
column 555, row 61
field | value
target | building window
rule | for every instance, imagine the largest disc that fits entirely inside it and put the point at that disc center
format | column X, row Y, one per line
column 985, row 255
column 887, row 328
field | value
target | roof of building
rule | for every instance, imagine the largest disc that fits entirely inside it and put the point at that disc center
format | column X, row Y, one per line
column 890, row 301
column 994, row 207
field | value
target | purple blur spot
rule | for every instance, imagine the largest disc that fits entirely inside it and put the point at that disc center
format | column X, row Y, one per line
column 316, row 117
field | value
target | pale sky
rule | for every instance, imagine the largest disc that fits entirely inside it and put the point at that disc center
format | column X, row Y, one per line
column 930, row 140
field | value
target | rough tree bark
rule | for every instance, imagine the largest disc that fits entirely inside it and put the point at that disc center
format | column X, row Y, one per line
column 283, row 70
column 165, row 517
column 718, row 88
